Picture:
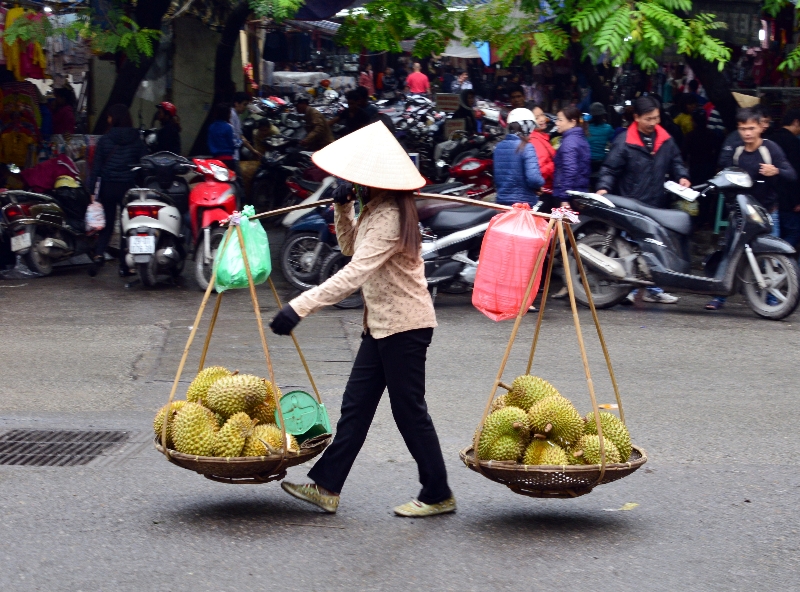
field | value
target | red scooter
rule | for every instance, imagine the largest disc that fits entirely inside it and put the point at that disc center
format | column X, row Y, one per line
column 475, row 172
column 210, row 202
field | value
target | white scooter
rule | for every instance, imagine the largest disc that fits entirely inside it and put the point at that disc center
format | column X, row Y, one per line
column 151, row 235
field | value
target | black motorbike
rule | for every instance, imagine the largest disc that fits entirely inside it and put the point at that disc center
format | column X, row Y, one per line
column 164, row 172
column 44, row 230
column 626, row 244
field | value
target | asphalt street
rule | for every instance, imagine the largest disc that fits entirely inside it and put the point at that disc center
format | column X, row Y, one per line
column 711, row 397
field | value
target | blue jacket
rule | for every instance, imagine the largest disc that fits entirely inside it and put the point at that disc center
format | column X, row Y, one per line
column 573, row 164
column 221, row 139
column 516, row 172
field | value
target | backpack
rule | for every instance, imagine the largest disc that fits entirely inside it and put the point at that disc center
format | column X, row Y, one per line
column 762, row 150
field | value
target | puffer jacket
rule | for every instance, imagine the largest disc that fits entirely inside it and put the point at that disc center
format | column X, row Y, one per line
column 516, row 172
column 631, row 171
column 115, row 154
column 573, row 164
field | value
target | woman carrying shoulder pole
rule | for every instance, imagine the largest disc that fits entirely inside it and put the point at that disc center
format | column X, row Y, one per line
column 398, row 318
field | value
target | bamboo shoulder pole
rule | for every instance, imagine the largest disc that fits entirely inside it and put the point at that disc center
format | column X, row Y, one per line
column 464, row 201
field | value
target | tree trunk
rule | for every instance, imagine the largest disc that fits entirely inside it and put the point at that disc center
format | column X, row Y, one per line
column 717, row 89
column 224, row 86
column 600, row 92
column 148, row 15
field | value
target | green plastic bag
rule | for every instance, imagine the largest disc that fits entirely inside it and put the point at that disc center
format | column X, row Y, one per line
column 229, row 264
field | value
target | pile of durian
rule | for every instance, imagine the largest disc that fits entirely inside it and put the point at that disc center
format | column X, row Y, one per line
column 225, row 414
column 533, row 424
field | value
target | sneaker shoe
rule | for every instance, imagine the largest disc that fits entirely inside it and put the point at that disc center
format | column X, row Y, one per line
column 629, row 299
column 562, row 293
column 772, row 301
column 416, row 509
column 310, row 493
column 660, row 297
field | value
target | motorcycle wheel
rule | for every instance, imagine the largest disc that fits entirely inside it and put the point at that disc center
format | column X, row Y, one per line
column 202, row 269
column 783, row 284
column 605, row 292
column 41, row 264
column 296, row 264
column 147, row 272
column 331, row 267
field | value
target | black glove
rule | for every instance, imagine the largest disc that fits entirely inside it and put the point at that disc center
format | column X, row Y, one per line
column 286, row 320
column 343, row 194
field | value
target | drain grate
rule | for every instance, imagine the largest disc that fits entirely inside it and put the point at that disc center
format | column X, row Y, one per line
column 56, row 448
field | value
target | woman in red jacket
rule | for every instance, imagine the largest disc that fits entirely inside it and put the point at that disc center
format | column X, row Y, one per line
column 544, row 150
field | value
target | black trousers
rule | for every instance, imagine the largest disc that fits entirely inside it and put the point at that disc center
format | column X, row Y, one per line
column 111, row 194
column 396, row 362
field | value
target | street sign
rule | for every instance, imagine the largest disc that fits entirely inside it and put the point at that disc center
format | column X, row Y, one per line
column 446, row 102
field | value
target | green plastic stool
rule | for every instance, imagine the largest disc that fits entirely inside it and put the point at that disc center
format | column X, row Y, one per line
column 305, row 417
column 718, row 221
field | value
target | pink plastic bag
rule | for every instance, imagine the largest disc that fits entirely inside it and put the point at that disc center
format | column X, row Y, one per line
column 511, row 245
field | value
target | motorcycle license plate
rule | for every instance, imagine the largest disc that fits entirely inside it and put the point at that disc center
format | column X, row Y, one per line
column 20, row 242
column 142, row 245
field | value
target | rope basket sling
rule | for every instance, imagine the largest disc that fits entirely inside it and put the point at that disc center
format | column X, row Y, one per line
column 555, row 481
column 250, row 469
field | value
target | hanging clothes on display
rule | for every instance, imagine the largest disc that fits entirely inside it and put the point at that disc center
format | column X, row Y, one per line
column 24, row 59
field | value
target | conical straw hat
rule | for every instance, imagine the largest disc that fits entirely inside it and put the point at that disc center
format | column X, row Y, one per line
column 370, row 156
column 746, row 100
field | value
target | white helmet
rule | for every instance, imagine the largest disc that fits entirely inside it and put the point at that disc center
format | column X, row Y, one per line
column 520, row 114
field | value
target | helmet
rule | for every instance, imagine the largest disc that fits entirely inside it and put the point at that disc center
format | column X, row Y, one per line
column 168, row 107
column 66, row 181
column 597, row 109
column 520, row 114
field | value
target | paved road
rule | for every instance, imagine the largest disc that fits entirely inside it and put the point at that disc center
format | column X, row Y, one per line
column 712, row 397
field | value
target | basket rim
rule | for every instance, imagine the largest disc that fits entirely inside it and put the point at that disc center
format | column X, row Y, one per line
column 467, row 456
column 243, row 460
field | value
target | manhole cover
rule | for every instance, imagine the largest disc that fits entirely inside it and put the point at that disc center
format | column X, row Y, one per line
column 56, row 448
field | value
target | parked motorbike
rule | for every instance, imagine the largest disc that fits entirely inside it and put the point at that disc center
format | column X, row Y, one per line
column 42, row 230
column 163, row 172
column 626, row 244
column 210, row 202
column 310, row 238
column 151, row 234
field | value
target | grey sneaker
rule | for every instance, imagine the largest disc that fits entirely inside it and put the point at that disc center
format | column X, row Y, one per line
column 660, row 297
column 311, row 494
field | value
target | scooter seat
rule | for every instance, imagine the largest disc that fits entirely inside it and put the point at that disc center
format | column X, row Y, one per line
column 675, row 220
column 308, row 185
column 448, row 221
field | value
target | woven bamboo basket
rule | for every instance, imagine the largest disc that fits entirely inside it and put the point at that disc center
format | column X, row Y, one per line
column 546, row 481
column 259, row 469
column 553, row 481
column 249, row 469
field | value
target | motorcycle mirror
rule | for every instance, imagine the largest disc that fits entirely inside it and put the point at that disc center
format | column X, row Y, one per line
column 12, row 168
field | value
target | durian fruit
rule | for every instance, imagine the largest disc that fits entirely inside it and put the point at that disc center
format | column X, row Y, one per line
column 194, row 429
column 264, row 412
column 527, row 390
column 571, row 458
column 201, row 383
column 220, row 419
column 499, row 402
column 158, row 422
column 509, row 423
column 556, row 418
column 236, row 394
column 588, row 450
column 269, row 433
column 229, row 440
column 613, row 429
column 544, row 452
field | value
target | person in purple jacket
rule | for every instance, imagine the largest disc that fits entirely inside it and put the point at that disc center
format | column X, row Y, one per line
column 574, row 157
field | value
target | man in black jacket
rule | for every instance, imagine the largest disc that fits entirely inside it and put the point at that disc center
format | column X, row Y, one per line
column 789, row 190
column 638, row 164
column 767, row 166
column 640, row 161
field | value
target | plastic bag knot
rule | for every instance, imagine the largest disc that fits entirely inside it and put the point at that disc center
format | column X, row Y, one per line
column 561, row 213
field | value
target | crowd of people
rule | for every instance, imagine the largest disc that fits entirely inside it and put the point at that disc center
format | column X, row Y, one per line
column 635, row 161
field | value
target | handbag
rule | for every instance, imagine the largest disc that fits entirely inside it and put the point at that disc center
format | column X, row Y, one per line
column 95, row 214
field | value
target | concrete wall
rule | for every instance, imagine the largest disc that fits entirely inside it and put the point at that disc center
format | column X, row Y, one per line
column 192, row 79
